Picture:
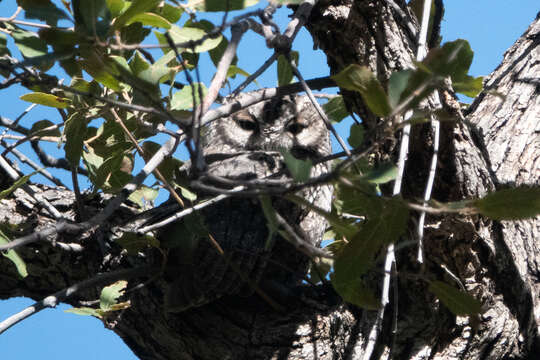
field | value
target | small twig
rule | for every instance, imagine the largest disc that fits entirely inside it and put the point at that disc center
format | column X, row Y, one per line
column 23, row 158
column 25, row 23
column 318, row 107
column 50, row 161
column 298, row 242
column 186, row 212
column 16, row 122
column 256, row 74
column 166, row 150
column 15, row 176
column 53, row 300
column 140, row 150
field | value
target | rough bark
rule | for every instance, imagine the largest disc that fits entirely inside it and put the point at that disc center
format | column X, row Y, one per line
column 496, row 261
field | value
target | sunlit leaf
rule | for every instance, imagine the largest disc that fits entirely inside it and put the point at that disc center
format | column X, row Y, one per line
column 183, row 99
column 469, row 86
column 137, row 7
column 170, row 12
column 458, row 302
column 46, row 100
column 184, row 35
column 143, row 195
column 85, row 311
column 150, row 19
column 13, row 256
column 111, row 293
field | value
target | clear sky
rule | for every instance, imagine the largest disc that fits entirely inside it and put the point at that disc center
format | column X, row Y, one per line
column 490, row 27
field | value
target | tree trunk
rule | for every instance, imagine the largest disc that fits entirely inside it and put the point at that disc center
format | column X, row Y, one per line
column 497, row 262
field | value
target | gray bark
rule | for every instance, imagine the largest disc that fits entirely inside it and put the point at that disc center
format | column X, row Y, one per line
column 496, row 261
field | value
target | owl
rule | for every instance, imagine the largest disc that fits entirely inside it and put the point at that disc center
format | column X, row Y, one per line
column 240, row 147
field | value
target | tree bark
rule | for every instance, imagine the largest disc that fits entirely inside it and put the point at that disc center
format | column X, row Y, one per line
column 497, row 262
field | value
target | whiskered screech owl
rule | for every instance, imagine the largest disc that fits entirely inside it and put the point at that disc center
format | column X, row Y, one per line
column 245, row 146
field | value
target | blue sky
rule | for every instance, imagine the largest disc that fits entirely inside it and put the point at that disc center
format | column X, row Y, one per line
column 490, row 27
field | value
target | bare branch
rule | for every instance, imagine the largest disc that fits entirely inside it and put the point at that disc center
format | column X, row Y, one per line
column 53, row 300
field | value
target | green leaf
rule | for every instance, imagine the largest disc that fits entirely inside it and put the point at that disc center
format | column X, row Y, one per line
column 28, row 43
column 187, row 194
column 185, row 34
column 111, row 293
column 74, row 131
column 115, row 172
column 43, row 10
column 356, row 137
column 360, row 78
column 396, row 86
column 320, row 270
column 12, row 254
column 235, row 70
column 3, row 45
column 150, row 19
column 452, row 59
column 46, row 100
column 469, row 86
column 135, row 243
column 92, row 17
column 284, row 69
column 171, row 13
column 299, row 169
column 384, row 228
column 101, row 72
column 143, row 195
column 271, row 220
column 116, row 7
column 353, row 291
column 220, row 5
column 137, row 7
column 39, row 126
column 183, row 99
column 17, row 184
column 217, row 52
column 85, row 311
column 335, row 109
column 456, row 301
column 381, row 175
column 159, row 71
column 510, row 204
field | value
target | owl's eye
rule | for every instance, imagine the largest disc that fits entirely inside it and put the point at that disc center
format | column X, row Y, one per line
column 295, row 128
column 246, row 121
column 248, row 125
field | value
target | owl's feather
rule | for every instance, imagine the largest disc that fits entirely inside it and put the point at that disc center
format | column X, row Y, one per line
column 243, row 146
